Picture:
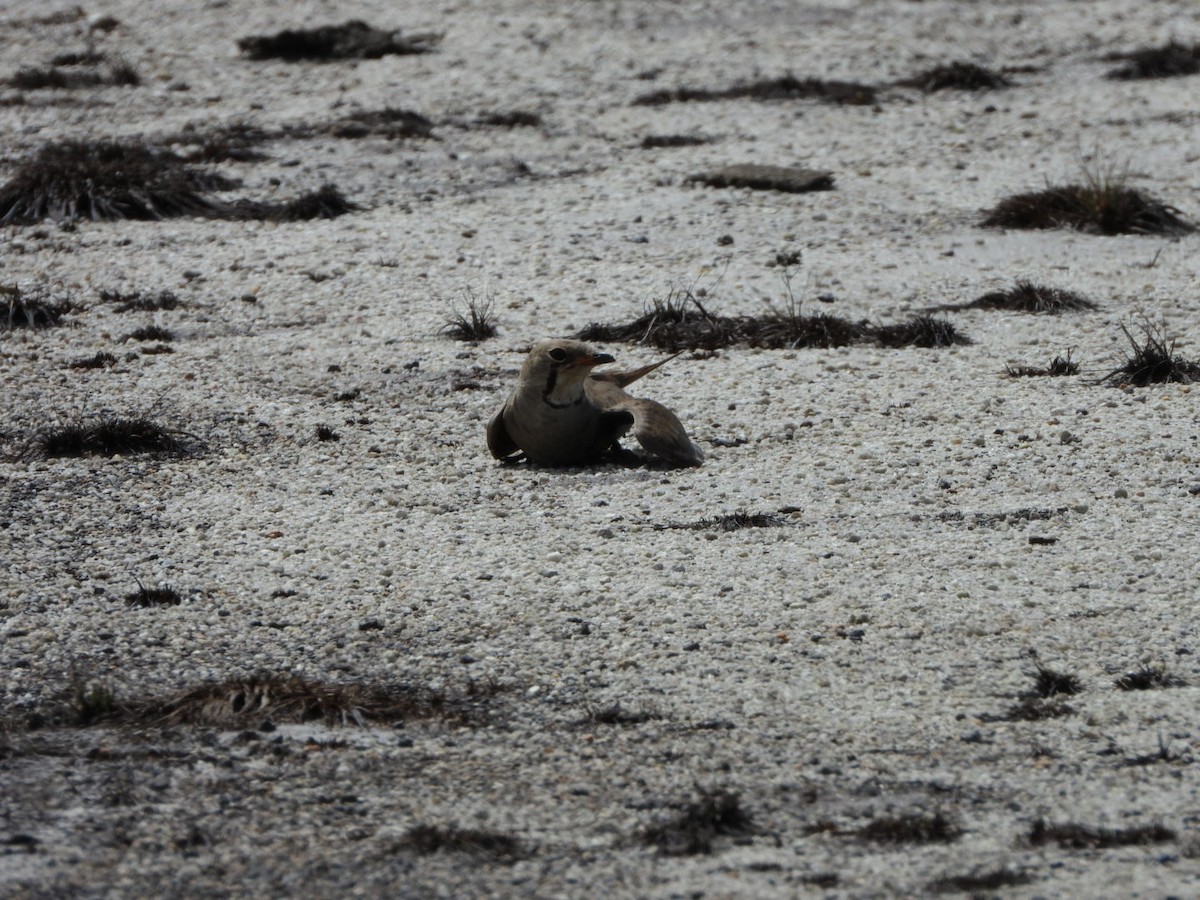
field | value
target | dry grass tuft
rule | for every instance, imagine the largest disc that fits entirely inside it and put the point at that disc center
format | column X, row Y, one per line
column 102, row 360
column 785, row 87
column 1049, row 683
column 1151, row 360
column 476, row 323
column 711, row 815
column 1059, row 367
column 1103, row 203
column 140, row 301
column 959, row 76
column 917, row 828
column 71, row 180
column 19, row 309
column 75, row 71
column 289, row 698
column 111, row 436
column 1074, row 836
column 979, row 883
column 490, row 845
column 919, row 331
column 353, row 39
column 1148, row 678
column 1171, row 60
column 327, row 202
column 390, row 123
column 1027, row 296
column 731, row 522
column 145, row 597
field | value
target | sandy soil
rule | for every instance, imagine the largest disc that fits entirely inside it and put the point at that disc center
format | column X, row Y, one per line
column 606, row 706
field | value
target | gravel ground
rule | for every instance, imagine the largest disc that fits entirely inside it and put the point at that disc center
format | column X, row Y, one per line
column 564, row 695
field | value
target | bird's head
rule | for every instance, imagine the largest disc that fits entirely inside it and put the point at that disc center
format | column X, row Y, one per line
column 558, row 368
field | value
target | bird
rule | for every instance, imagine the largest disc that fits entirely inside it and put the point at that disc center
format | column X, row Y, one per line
column 562, row 413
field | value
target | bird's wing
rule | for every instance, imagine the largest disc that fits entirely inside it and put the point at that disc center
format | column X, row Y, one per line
column 624, row 379
column 501, row 445
column 656, row 428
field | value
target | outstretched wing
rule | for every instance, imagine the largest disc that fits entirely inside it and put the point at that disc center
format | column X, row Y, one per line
column 656, row 428
column 499, row 443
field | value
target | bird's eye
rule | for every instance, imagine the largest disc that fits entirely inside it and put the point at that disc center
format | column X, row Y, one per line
column 558, row 354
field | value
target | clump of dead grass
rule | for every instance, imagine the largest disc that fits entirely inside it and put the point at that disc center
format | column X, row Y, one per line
column 1170, row 60
column 1059, row 366
column 353, row 39
column 959, row 76
column 735, row 521
column 1030, row 297
column 1103, row 203
column 1151, row 359
column 1076, row 836
column 327, row 202
column 1148, row 678
column 70, row 180
column 494, row 846
column 710, row 815
column 31, row 309
column 784, row 87
column 111, row 436
column 914, row 828
column 919, row 331
column 75, row 71
column 389, row 123
column 146, row 597
column 475, row 323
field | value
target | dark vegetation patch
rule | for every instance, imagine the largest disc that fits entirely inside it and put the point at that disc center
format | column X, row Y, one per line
column 616, row 714
column 475, row 323
column 712, row 814
column 1026, row 296
column 1168, row 61
column 516, row 118
column 144, row 597
column 731, row 522
column 788, row 179
column 102, row 360
column 680, row 322
column 327, row 202
column 150, row 333
column 141, row 301
column 247, row 703
column 74, row 71
column 1059, row 367
column 786, row 87
column 1050, row 683
column 1103, row 203
column 325, row 433
column 486, row 845
column 655, row 141
column 111, row 436
column 353, row 39
column 1074, row 836
column 959, row 76
column 36, row 309
column 979, row 883
column 101, row 180
column 1148, row 678
column 1164, row 754
column 231, row 142
column 1151, row 360
column 914, row 828
column 389, row 123
column 919, row 331
column 991, row 520
column 1031, row 709
column 71, row 180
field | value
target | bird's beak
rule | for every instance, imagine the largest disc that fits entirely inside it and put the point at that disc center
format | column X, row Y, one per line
column 596, row 359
